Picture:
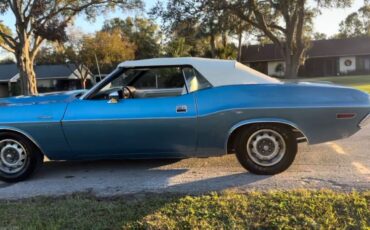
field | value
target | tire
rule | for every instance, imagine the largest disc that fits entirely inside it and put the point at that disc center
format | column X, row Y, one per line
column 266, row 149
column 19, row 157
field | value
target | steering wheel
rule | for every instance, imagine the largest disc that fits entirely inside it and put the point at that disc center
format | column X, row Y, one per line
column 129, row 90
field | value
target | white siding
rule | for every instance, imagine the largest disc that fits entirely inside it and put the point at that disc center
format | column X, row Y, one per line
column 343, row 68
column 272, row 67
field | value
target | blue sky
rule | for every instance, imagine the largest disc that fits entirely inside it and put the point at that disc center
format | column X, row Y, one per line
column 327, row 22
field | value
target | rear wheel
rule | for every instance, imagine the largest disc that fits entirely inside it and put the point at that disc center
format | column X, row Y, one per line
column 19, row 157
column 266, row 149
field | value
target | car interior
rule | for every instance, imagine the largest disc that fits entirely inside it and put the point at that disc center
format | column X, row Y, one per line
column 153, row 83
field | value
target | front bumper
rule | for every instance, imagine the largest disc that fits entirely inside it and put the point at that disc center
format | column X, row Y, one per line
column 365, row 121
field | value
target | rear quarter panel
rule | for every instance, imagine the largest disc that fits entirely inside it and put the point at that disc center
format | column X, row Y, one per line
column 310, row 108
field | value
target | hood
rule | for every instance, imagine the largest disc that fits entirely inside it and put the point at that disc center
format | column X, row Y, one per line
column 46, row 98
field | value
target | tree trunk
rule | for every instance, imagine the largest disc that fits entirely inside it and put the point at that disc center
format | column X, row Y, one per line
column 83, row 83
column 27, row 76
column 26, row 71
column 213, row 46
column 291, row 67
column 240, row 37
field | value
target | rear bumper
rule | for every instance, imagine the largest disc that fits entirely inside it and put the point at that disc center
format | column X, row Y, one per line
column 365, row 121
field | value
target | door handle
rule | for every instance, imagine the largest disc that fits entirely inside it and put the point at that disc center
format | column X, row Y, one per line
column 181, row 109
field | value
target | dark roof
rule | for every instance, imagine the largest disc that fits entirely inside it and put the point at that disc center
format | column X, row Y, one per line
column 319, row 48
column 54, row 71
column 8, row 71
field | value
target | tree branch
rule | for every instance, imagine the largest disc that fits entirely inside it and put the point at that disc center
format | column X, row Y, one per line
column 8, row 40
column 36, row 46
column 7, row 48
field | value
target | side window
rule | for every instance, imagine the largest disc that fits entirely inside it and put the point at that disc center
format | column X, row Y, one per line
column 195, row 80
column 146, row 80
column 160, row 78
column 152, row 82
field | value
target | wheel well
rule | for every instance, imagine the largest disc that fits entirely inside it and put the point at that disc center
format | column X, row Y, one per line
column 233, row 136
column 24, row 136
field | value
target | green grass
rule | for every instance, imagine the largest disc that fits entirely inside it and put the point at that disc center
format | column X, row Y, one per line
column 255, row 210
column 359, row 82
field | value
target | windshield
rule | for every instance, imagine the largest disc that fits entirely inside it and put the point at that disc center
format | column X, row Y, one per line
column 122, row 78
column 116, row 73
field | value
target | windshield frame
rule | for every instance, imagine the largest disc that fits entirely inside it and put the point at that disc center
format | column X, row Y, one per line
column 102, row 83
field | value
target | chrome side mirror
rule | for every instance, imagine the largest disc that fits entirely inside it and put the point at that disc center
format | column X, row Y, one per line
column 113, row 98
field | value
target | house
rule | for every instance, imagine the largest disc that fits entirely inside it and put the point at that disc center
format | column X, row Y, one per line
column 50, row 78
column 331, row 57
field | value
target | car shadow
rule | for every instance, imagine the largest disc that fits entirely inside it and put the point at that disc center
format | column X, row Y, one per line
column 122, row 177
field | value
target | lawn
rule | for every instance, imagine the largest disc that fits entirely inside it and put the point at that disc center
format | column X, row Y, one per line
column 271, row 210
column 359, row 82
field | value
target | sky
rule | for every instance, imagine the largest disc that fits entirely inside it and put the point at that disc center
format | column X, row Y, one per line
column 327, row 22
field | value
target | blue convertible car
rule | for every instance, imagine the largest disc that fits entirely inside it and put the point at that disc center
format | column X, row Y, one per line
column 178, row 108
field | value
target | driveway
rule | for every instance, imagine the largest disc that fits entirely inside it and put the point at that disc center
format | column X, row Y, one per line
column 341, row 165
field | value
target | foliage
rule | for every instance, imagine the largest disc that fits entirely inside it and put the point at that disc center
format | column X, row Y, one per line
column 84, row 51
column 199, row 25
column 253, row 210
column 319, row 36
column 109, row 48
column 7, row 61
column 40, row 20
column 142, row 32
column 50, row 55
column 356, row 24
column 286, row 23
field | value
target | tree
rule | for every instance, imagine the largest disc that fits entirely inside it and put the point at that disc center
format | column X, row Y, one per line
column 356, row 24
column 190, row 22
column 109, row 48
column 40, row 20
column 144, row 33
column 81, row 52
column 287, row 23
column 319, row 36
column 7, row 60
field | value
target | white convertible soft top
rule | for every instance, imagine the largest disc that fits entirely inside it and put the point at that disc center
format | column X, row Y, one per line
column 217, row 72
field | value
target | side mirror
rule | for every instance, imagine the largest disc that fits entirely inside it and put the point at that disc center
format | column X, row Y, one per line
column 113, row 98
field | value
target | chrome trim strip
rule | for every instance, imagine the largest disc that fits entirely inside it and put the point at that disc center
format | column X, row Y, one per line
column 26, row 122
column 131, row 118
column 364, row 122
column 277, row 107
column 250, row 122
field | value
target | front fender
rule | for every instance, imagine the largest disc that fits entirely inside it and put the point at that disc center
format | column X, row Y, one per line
column 23, row 133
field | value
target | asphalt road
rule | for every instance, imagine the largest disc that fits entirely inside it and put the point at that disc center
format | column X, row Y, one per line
column 341, row 165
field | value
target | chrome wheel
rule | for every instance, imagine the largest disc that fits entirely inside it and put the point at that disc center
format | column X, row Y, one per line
column 13, row 156
column 266, row 147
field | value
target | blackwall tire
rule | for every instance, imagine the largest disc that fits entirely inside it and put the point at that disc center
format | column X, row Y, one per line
column 19, row 157
column 266, row 149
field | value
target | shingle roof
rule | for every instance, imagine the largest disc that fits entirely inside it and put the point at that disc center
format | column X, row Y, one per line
column 320, row 48
column 8, row 71
column 54, row 71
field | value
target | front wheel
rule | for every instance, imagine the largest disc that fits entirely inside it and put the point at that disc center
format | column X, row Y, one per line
column 266, row 149
column 19, row 157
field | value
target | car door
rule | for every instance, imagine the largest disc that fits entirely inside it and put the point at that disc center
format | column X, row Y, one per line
column 162, row 126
